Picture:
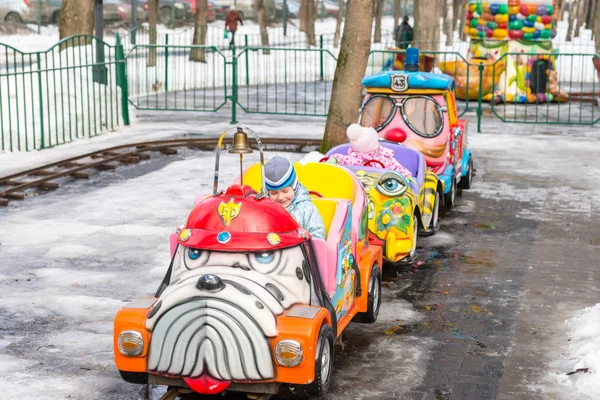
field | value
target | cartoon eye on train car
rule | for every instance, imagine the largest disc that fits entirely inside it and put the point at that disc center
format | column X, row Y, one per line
column 251, row 302
column 399, row 210
column 418, row 109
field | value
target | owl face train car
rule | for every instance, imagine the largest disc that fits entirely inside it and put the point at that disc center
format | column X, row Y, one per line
column 251, row 301
column 399, row 209
column 418, row 109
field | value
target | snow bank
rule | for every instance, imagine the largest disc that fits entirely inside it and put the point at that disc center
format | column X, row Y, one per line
column 584, row 352
column 52, row 99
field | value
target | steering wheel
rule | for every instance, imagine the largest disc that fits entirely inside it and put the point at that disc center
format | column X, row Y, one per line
column 324, row 159
column 368, row 162
column 313, row 193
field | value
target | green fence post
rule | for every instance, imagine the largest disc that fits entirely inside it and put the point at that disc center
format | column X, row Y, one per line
column 479, row 98
column 234, row 87
column 321, row 56
column 39, row 66
column 122, row 79
column 39, row 16
column 167, row 62
column 172, row 22
column 247, row 63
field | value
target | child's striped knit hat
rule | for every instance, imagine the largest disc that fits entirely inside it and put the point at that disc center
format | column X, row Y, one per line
column 279, row 173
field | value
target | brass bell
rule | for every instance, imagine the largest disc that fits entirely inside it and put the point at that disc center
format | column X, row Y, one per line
column 240, row 143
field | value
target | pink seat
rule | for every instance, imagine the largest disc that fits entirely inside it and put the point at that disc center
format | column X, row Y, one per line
column 332, row 254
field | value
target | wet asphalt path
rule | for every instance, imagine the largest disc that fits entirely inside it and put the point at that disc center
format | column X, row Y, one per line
column 478, row 317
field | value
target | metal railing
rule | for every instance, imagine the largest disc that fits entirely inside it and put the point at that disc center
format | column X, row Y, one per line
column 74, row 89
column 52, row 97
column 555, row 89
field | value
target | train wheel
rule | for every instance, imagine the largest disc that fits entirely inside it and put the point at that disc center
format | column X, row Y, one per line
column 467, row 180
column 450, row 198
column 323, row 367
column 374, row 299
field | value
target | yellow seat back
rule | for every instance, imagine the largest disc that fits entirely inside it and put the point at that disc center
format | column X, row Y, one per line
column 327, row 209
column 328, row 180
column 252, row 177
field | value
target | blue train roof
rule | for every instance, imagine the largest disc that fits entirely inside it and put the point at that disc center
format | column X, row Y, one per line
column 416, row 80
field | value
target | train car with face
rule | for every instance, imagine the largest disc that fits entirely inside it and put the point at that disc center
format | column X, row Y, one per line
column 399, row 209
column 250, row 302
column 418, row 109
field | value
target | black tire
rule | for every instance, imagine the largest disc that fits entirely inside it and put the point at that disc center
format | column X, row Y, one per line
column 374, row 299
column 323, row 372
column 467, row 180
column 13, row 17
column 450, row 198
column 135, row 377
column 434, row 224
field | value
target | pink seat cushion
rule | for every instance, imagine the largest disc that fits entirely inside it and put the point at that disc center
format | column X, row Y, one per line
column 329, row 253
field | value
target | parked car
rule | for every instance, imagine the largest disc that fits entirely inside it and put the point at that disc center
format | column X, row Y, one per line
column 329, row 8
column 181, row 10
column 124, row 11
column 220, row 9
column 27, row 11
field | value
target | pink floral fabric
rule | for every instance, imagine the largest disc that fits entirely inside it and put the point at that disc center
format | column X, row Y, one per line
column 383, row 155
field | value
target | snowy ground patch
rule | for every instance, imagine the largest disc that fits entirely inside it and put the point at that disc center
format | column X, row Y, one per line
column 583, row 351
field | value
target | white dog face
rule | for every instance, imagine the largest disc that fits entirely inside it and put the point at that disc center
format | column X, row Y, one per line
column 282, row 268
column 220, row 308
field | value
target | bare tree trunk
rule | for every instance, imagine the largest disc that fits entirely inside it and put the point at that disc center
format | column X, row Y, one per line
column 199, row 55
column 463, row 19
column 581, row 13
column 262, row 23
column 396, row 13
column 312, row 18
column 378, row 15
column 427, row 24
column 76, row 18
column 152, row 19
column 351, row 65
column 456, row 14
column 572, row 11
column 447, row 17
column 338, row 25
column 303, row 15
column 561, row 10
column 591, row 24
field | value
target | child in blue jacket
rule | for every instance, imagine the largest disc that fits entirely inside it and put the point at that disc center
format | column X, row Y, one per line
column 283, row 186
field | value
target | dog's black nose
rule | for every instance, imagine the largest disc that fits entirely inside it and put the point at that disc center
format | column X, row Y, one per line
column 210, row 283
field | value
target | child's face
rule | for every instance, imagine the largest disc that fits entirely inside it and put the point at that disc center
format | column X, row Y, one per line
column 283, row 196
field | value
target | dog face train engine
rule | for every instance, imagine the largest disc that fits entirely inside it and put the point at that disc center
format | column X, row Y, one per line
column 243, row 306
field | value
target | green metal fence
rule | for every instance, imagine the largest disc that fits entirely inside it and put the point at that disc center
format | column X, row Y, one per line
column 286, row 81
column 567, row 94
column 174, row 82
column 74, row 89
column 48, row 98
column 568, row 86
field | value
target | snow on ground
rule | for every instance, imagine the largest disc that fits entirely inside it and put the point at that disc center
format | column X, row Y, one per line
column 78, row 264
column 77, row 267
column 50, row 103
column 583, row 351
